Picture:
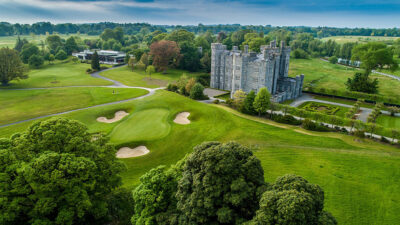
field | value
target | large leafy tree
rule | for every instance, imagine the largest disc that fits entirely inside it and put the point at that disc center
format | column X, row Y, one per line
column 374, row 55
column 54, row 41
column 71, row 45
column 180, row 36
column 220, row 184
column 248, row 103
column 262, row 101
column 155, row 201
column 27, row 51
column 164, row 53
column 292, row 200
column 190, row 57
column 11, row 67
column 56, row 173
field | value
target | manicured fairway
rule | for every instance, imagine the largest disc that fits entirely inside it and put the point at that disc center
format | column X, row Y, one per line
column 389, row 121
column 146, row 125
column 17, row 105
column 321, row 74
column 360, row 178
column 59, row 74
column 139, row 78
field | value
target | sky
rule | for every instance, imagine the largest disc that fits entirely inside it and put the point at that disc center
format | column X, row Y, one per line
column 332, row 13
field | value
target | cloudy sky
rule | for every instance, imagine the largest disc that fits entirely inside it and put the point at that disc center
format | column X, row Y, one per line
column 337, row 13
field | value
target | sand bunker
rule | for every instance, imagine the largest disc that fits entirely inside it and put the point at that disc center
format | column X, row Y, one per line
column 126, row 152
column 182, row 118
column 118, row 116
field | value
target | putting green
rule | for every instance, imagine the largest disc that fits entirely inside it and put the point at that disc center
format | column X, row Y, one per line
column 146, row 125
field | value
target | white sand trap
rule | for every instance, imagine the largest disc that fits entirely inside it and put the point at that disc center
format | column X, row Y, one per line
column 182, row 118
column 127, row 152
column 117, row 117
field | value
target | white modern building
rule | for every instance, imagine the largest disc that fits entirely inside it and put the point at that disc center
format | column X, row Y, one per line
column 105, row 56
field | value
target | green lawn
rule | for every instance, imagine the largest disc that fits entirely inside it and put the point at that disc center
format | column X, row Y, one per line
column 388, row 121
column 360, row 178
column 9, row 41
column 325, row 108
column 139, row 78
column 59, row 74
column 321, row 74
column 360, row 39
column 17, row 105
column 343, row 101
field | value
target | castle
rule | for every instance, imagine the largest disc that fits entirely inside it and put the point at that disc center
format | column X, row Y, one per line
column 234, row 70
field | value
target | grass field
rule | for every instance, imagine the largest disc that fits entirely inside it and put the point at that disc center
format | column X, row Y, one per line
column 388, row 121
column 360, row 39
column 9, row 41
column 17, row 105
column 360, row 178
column 325, row 108
column 321, row 74
column 139, row 78
column 58, row 74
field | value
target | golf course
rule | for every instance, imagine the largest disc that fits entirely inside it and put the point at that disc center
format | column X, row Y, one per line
column 360, row 177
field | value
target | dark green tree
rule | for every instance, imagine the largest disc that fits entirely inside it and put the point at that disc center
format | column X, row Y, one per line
column 56, row 173
column 374, row 55
column 190, row 57
column 361, row 82
column 248, row 103
column 95, row 61
column 61, row 55
column 11, row 67
column 292, row 200
column 54, row 41
column 27, row 51
column 71, row 45
column 155, row 201
column 220, row 184
column 35, row 61
column 20, row 43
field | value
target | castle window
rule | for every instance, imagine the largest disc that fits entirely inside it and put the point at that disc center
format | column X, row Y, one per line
column 237, row 77
column 237, row 67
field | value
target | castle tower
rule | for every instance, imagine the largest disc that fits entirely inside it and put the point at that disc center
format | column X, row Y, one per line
column 217, row 65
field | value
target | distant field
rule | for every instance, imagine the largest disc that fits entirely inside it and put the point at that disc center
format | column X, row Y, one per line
column 320, row 74
column 361, row 39
column 9, row 41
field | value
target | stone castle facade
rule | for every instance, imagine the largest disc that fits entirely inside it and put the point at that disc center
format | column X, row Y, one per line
column 234, row 70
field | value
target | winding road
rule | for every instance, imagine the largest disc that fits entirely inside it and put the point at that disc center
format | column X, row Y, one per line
column 115, row 84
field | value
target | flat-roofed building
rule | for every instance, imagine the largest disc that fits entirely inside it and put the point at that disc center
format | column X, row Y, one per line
column 105, row 56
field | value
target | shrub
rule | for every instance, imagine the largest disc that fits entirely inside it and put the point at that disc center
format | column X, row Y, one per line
column 35, row 61
column 229, row 101
column 310, row 125
column 333, row 59
column 287, row 119
column 359, row 133
column 300, row 54
column 197, row 92
column 216, row 101
column 88, row 70
column 61, row 55
column 103, row 67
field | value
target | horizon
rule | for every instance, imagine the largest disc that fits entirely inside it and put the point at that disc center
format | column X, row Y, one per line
column 309, row 13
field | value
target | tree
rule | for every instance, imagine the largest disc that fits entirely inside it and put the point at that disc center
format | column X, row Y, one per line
column 36, row 61
column 58, row 174
column 164, row 53
column 127, row 57
column 145, row 60
column 292, row 200
column 20, row 43
column 180, row 36
column 190, row 57
column 155, row 201
column 131, row 63
column 238, row 99
column 61, row 55
column 95, row 61
column 248, row 103
column 27, row 51
column 71, row 46
column 189, row 84
column 150, row 69
column 362, row 83
column 220, row 184
column 333, row 59
column 51, row 58
column 11, row 67
column 197, row 92
column 181, row 83
column 374, row 55
column 54, row 41
column 393, row 110
column 206, row 62
column 75, row 59
column 262, row 101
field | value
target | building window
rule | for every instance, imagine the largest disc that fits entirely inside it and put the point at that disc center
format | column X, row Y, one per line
column 237, row 67
column 237, row 77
